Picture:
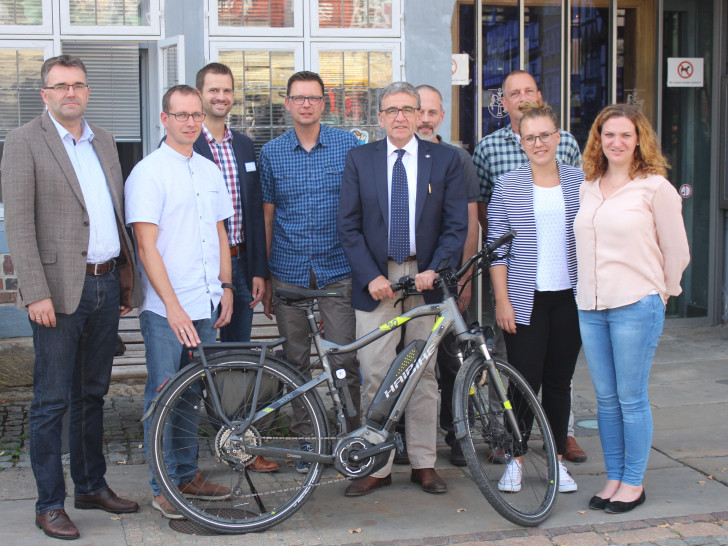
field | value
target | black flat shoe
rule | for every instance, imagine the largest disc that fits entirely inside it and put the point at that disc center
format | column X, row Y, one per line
column 619, row 507
column 598, row 503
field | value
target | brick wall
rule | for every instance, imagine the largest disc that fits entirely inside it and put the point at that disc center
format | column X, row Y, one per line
column 8, row 280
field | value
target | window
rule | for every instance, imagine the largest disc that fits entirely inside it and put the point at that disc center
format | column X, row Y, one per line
column 25, row 16
column 110, row 17
column 355, row 18
column 256, row 17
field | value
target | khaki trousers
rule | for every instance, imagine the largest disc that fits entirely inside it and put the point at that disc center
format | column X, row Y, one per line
column 375, row 359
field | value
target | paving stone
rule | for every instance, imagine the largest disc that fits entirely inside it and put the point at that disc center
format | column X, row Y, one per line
column 671, row 542
column 408, row 542
column 654, row 522
column 579, row 539
column 534, row 532
column 525, row 541
column 554, row 531
column 581, row 528
column 633, row 525
column 701, row 517
column 610, row 527
column 679, row 519
column 489, row 536
column 700, row 541
column 436, row 541
column 720, row 515
column 514, row 533
column 699, row 529
column 653, row 534
column 462, row 539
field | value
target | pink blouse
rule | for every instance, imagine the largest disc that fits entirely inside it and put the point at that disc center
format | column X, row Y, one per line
column 629, row 245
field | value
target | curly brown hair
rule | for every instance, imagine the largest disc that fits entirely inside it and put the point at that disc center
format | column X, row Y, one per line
column 648, row 158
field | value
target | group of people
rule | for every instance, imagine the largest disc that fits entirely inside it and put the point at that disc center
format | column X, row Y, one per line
column 216, row 231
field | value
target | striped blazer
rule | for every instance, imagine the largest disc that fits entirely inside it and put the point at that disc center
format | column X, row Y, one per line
column 511, row 207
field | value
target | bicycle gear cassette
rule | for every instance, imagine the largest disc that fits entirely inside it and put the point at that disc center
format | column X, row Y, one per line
column 229, row 447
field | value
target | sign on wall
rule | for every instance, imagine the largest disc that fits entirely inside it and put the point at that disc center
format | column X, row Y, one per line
column 685, row 72
column 460, row 69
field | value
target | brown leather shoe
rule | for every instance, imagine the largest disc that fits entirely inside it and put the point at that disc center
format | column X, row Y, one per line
column 164, row 506
column 429, row 480
column 57, row 524
column 364, row 486
column 106, row 500
column 573, row 452
column 198, row 488
column 259, row 464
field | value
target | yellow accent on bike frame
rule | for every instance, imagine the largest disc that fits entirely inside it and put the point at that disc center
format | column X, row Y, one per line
column 392, row 324
column 437, row 323
column 507, row 404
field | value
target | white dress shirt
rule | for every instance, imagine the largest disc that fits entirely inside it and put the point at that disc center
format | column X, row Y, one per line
column 409, row 160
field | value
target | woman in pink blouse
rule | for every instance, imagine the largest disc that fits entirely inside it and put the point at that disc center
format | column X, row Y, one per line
column 631, row 251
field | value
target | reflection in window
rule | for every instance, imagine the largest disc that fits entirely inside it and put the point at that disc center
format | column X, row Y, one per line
column 355, row 13
column 109, row 12
column 20, row 100
column 543, row 48
column 353, row 80
column 255, row 13
column 21, row 12
column 171, row 67
column 260, row 92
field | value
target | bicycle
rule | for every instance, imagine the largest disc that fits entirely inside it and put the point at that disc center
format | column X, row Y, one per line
column 252, row 397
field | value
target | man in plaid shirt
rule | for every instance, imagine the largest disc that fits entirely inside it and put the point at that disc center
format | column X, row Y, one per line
column 300, row 174
column 500, row 152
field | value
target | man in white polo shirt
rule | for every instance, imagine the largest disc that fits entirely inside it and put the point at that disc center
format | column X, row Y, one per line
column 177, row 202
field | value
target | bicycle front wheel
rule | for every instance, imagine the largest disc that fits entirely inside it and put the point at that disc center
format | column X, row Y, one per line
column 186, row 436
column 527, row 501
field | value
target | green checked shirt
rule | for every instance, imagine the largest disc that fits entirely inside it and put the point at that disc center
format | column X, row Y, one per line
column 500, row 152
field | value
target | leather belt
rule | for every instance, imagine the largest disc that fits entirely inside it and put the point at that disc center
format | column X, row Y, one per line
column 407, row 259
column 237, row 249
column 100, row 269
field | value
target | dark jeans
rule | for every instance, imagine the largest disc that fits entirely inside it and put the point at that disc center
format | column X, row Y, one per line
column 73, row 365
column 545, row 353
column 242, row 320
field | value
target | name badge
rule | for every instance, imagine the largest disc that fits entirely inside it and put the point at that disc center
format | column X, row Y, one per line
column 250, row 166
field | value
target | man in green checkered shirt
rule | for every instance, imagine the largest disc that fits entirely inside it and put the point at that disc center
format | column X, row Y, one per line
column 500, row 152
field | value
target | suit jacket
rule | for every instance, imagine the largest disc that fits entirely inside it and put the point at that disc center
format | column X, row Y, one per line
column 441, row 213
column 46, row 220
column 250, row 201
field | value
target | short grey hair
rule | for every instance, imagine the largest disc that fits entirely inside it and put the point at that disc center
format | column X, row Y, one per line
column 399, row 87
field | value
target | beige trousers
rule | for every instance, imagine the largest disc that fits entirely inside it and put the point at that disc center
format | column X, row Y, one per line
column 375, row 359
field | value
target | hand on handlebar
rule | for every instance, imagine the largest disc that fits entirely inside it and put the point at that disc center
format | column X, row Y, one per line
column 381, row 289
column 425, row 280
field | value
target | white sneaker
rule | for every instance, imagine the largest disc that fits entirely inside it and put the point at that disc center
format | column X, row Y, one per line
column 566, row 482
column 510, row 481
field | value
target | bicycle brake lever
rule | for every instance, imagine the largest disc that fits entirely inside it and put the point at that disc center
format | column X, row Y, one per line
column 406, row 294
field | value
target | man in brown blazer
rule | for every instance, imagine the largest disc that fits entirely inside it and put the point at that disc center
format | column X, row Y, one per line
column 64, row 217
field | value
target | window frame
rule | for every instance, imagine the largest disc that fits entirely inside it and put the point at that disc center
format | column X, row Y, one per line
column 46, row 27
column 216, row 29
column 394, row 32
column 391, row 46
column 153, row 29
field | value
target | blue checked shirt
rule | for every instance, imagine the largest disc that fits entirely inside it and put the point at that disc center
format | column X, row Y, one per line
column 500, row 152
column 304, row 188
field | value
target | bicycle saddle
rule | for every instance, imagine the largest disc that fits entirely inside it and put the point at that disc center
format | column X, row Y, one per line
column 294, row 295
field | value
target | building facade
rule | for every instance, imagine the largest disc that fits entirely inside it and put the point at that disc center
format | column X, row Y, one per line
column 583, row 53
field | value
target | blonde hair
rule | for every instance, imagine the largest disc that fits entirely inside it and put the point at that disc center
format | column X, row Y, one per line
column 648, row 158
column 536, row 109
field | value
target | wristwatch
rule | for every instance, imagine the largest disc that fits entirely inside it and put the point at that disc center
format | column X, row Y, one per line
column 230, row 286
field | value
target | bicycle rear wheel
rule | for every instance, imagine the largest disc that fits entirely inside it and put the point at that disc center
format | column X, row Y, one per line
column 185, row 436
column 488, row 429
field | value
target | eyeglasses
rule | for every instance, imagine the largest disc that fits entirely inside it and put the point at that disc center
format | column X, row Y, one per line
column 313, row 100
column 64, row 87
column 545, row 138
column 391, row 113
column 184, row 116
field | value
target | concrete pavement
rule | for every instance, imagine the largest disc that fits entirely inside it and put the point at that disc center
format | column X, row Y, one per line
column 686, row 481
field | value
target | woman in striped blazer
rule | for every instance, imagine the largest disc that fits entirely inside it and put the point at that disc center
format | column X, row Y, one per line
column 534, row 286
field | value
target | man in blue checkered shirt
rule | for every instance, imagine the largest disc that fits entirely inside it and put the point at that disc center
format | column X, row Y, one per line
column 300, row 175
column 500, row 152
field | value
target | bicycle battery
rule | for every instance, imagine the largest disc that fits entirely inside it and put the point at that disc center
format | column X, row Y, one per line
column 392, row 385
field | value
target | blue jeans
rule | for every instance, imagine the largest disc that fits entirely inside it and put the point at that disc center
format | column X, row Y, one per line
column 165, row 357
column 242, row 320
column 73, row 365
column 619, row 345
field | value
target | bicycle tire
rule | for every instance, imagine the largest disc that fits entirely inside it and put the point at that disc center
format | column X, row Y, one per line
column 485, row 430
column 259, row 500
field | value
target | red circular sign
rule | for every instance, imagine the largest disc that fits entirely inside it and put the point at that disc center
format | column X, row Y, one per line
column 685, row 69
column 685, row 191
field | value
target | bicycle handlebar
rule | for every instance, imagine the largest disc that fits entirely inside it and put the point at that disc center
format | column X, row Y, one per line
column 488, row 251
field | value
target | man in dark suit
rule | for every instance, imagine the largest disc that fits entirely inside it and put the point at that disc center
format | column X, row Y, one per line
column 64, row 215
column 402, row 210
column 234, row 154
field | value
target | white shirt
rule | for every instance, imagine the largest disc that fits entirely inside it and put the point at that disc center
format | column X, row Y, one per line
column 409, row 160
column 185, row 197
column 103, row 240
column 549, row 211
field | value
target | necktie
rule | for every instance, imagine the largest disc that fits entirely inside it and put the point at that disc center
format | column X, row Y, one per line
column 399, row 236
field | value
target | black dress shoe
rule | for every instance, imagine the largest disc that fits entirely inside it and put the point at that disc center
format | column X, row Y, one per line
column 619, row 507
column 364, row 486
column 456, row 455
column 106, row 500
column 598, row 503
column 57, row 524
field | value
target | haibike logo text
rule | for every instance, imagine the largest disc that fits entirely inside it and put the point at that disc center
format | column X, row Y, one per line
column 407, row 371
